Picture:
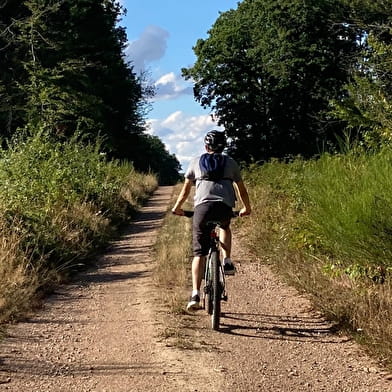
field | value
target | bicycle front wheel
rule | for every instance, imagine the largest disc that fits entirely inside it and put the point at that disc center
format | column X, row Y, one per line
column 216, row 291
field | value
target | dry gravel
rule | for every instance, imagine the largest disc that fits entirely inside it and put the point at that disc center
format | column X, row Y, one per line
column 107, row 331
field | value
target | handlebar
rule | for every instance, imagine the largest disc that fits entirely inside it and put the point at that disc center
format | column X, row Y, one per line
column 189, row 214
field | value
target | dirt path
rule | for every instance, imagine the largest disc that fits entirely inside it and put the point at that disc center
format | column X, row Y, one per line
column 106, row 332
column 272, row 341
column 103, row 332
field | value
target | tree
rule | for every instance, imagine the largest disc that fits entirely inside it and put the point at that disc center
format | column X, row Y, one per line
column 152, row 151
column 268, row 71
column 51, row 104
column 368, row 105
column 12, row 100
column 76, row 57
column 63, row 71
column 71, row 72
column 100, row 42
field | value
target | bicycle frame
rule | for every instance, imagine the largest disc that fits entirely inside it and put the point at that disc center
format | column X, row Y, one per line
column 214, row 276
column 214, row 280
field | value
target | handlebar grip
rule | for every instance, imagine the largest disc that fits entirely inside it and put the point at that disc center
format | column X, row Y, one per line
column 188, row 213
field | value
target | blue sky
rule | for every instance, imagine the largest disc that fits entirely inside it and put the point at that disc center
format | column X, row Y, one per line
column 161, row 38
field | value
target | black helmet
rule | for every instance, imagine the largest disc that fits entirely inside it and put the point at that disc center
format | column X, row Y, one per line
column 215, row 140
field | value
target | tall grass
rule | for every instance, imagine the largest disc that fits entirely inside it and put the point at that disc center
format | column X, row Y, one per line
column 173, row 255
column 173, row 258
column 326, row 225
column 59, row 203
column 349, row 209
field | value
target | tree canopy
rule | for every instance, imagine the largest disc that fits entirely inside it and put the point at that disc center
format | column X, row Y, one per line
column 367, row 108
column 63, row 71
column 269, row 70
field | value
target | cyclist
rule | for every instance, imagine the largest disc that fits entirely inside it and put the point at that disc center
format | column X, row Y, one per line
column 214, row 199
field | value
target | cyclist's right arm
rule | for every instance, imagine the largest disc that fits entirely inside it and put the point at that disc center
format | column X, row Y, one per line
column 185, row 191
column 244, row 196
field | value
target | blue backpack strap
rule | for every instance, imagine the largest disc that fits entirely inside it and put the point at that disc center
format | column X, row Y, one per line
column 212, row 167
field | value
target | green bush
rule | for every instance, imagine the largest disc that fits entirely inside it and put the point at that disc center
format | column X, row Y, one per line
column 343, row 206
column 326, row 226
column 59, row 203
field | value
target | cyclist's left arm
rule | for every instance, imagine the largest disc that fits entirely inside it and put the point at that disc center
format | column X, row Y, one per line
column 185, row 191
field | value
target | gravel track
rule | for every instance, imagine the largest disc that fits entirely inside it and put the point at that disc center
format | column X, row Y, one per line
column 106, row 332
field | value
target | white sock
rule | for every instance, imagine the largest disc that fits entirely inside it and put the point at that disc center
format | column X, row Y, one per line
column 227, row 260
column 195, row 292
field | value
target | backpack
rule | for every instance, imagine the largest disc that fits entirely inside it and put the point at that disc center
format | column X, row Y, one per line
column 212, row 167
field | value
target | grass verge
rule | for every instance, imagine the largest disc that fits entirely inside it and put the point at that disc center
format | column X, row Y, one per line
column 173, row 256
column 325, row 226
column 59, row 204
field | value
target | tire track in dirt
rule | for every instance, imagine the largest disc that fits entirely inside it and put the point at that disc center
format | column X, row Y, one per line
column 103, row 331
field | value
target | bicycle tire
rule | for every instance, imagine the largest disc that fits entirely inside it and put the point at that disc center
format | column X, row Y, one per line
column 208, row 287
column 216, row 291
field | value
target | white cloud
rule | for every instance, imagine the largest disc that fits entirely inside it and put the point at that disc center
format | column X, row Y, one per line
column 182, row 134
column 150, row 46
column 170, row 86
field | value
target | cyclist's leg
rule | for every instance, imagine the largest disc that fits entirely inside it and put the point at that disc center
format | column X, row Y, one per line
column 225, row 239
column 204, row 213
column 200, row 239
column 198, row 264
column 223, row 214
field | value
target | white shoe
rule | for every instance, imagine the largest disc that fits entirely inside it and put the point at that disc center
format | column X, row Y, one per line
column 194, row 303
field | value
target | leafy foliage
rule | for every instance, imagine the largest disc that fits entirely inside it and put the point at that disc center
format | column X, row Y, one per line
column 59, row 202
column 368, row 105
column 269, row 69
column 43, row 182
column 158, row 159
column 74, row 80
column 325, row 226
column 65, row 72
column 12, row 100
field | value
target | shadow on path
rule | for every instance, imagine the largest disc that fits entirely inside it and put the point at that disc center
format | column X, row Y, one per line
column 280, row 327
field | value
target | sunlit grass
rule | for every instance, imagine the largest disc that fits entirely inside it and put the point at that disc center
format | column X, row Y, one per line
column 172, row 254
column 173, row 258
column 326, row 226
column 59, row 204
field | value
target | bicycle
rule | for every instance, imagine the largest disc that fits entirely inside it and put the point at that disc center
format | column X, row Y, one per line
column 214, row 290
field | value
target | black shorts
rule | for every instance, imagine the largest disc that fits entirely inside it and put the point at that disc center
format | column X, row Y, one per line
column 215, row 211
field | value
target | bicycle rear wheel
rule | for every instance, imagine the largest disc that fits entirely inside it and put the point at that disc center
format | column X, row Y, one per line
column 208, row 286
column 216, row 291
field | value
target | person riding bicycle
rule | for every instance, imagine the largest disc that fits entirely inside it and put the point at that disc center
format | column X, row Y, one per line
column 214, row 175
